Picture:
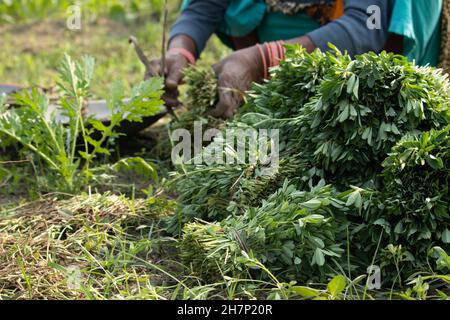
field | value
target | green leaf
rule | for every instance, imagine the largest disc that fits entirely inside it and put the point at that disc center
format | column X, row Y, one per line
column 305, row 292
column 312, row 204
column 336, row 285
column 356, row 88
column 344, row 114
column 354, row 198
column 351, row 83
column 435, row 163
column 446, row 236
column 98, row 125
column 399, row 228
column 318, row 257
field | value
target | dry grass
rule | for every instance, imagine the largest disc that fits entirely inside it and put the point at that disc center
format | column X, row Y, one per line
column 112, row 240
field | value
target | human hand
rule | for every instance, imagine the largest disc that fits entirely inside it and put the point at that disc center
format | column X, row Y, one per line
column 235, row 75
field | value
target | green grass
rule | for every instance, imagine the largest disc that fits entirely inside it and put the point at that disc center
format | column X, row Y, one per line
column 33, row 48
column 19, row 11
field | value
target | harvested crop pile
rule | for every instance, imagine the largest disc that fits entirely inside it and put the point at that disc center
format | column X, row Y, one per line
column 413, row 206
column 293, row 232
column 293, row 83
column 212, row 192
column 338, row 119
column 364, row 107
column 270, row 106
column 416, row 184
column 357, row 110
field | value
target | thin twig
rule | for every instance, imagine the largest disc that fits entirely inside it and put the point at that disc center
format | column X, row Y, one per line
column 14, row 162
column 133, row 41
column 163, row 47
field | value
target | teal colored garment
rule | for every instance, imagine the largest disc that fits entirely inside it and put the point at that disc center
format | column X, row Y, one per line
column 278, row 26
column 419, row 22
column 244, row 16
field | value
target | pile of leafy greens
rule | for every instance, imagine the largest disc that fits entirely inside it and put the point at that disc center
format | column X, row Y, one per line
column 411, row 210
column 348, row 130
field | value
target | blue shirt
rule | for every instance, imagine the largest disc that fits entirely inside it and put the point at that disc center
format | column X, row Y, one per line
column 201, row 18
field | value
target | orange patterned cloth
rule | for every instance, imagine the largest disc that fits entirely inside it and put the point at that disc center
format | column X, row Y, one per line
column 444, row 60
column 321, row 10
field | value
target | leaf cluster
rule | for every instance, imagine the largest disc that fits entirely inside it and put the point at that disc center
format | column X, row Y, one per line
column 413, row 206
column 294, row 233
column 339, row 119
column 65, row 152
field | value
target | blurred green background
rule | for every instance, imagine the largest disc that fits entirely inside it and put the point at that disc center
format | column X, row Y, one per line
column 34, row 37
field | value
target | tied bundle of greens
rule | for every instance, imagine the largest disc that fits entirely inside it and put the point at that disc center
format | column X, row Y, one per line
column 213, row 191
column 364, row 106
column 201, row 97
column 296, row 233
column 412, row 207
column 339, row 118
column 235, row 187
column 201, row 89
column 292, row 84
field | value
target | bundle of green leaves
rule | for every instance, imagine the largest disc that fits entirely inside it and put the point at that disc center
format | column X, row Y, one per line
column 348, row 113
column 237, row 186
column 338, row 118
column 364, row 106
column 292, row 84
column 201, row 96
column 413, row 206
column 201, row 88
column 212, row 191
column 294, row 233
column 338, row 125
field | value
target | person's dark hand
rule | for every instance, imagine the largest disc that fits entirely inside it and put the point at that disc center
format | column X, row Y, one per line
column 181, row 52
column 175, row 64
column 235, row 75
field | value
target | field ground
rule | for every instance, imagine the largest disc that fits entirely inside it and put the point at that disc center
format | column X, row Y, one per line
column 32, row 52
column 33, row 262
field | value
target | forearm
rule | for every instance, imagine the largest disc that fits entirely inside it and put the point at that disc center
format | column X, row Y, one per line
column 185, row 42
column 198, row 22
column 351, row 32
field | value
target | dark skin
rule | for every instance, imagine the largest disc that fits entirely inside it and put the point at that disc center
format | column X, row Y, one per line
column 235, row 73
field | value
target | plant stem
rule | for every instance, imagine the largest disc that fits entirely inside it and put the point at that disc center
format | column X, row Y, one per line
column 32, row 148
column 83, row 129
